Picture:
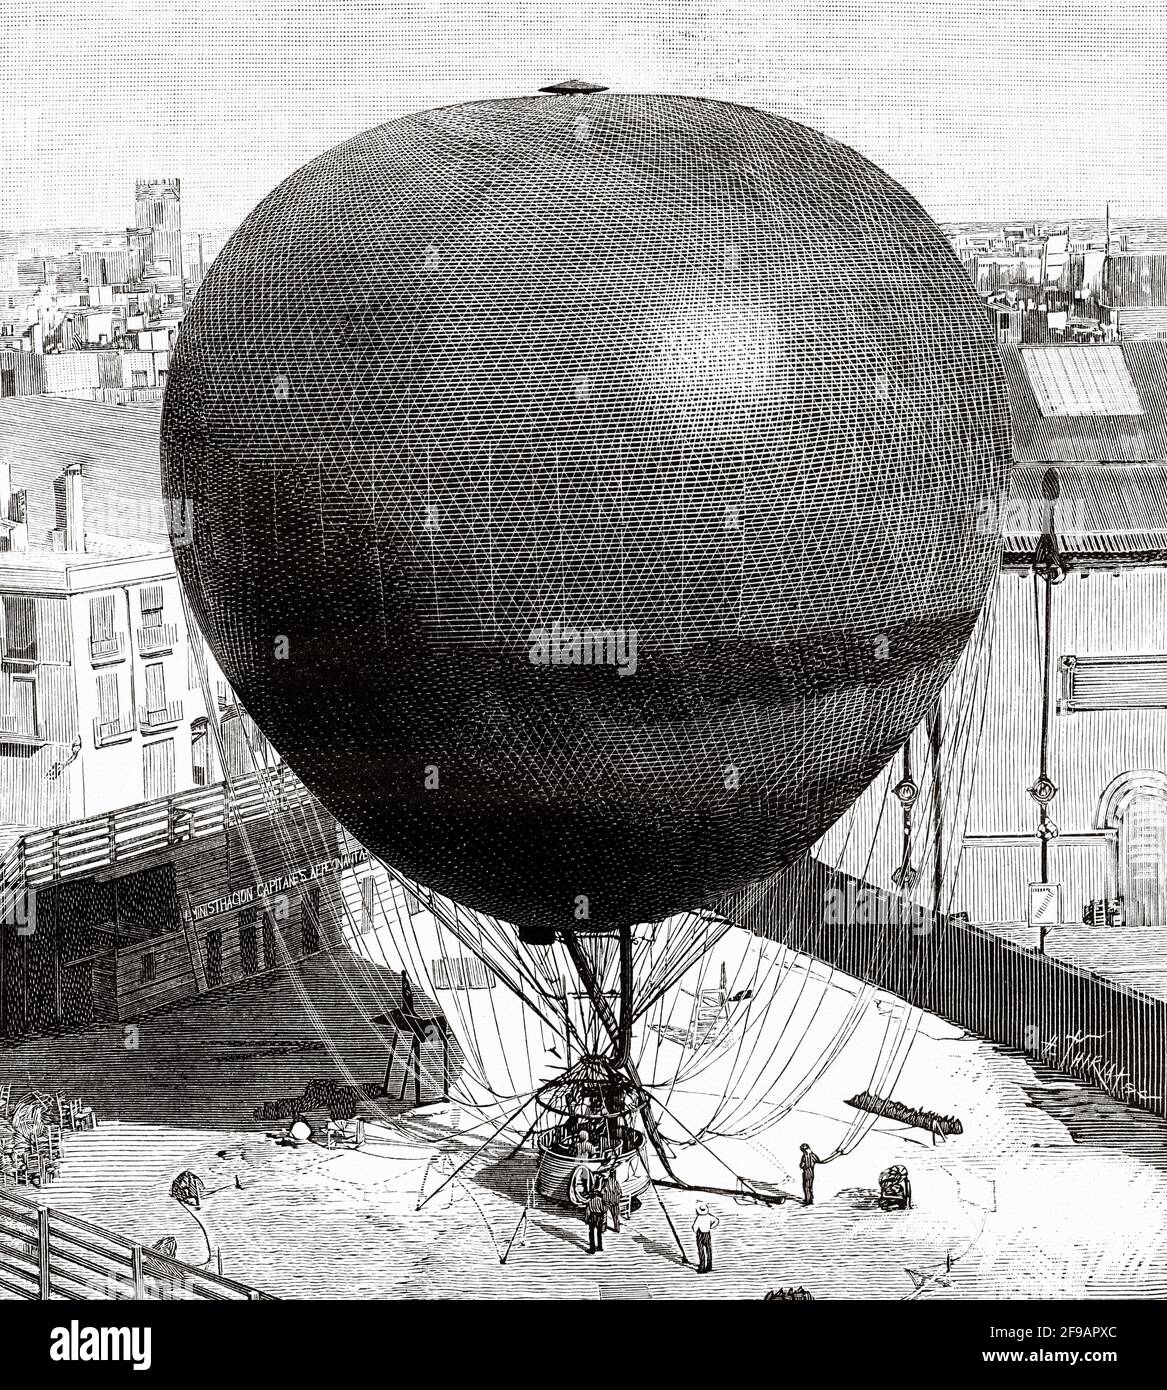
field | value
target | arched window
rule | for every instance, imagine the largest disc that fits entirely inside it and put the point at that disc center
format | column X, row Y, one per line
column 200, row 753
column 236, row 754
column 1135, row 805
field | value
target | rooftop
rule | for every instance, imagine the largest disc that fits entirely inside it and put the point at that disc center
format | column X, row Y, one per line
column 1088, row 404
column 117, row 448
column 1081, row 381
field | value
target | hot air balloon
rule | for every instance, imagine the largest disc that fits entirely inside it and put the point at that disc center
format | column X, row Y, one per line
column 583, row 495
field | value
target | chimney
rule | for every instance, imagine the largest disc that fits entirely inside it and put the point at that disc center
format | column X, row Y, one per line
column 74, row 508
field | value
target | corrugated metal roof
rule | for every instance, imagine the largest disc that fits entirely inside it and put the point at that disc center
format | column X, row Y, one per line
column 1041, row 438
column 1122, row 498
column 1114, row 510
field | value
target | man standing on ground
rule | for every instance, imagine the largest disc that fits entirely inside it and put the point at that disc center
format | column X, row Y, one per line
column 703, row 1224
column 613, row 1195
column 806, row 1163
column 595, row 1214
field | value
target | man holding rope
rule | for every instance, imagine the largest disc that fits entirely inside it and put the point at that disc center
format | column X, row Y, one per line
column 807, row 1163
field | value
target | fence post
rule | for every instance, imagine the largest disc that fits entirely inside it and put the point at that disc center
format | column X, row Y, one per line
column 136, row 1265
column 43, row 1251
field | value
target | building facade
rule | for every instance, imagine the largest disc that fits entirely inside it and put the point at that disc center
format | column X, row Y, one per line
column 158, row 215
column 141, row 811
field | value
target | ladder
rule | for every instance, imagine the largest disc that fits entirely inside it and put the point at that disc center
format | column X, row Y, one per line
column 710, row 1007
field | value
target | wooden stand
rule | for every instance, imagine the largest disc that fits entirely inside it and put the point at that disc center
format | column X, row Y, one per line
column 415, row 1028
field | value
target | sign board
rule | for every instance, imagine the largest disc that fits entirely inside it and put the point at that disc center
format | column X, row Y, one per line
column 258, row 891
column 1045, row 904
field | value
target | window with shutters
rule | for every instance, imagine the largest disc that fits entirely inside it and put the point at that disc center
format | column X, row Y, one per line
column 1113, row 682
column 149, row 968
column 152, row 605
column 158, row 769
column 461, row 972
column 200, row 753
column 20, row 630
column 105, row 643
column 154, row 636
column 213, row 957
column 107, row 698
column 235, row 750
column 249, row 948
column 155, row 688
column 21, row 717
column 271, row 951
column 111, row 724
column 310, row 921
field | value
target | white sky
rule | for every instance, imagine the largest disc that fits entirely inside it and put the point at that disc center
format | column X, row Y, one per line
column 982, row 108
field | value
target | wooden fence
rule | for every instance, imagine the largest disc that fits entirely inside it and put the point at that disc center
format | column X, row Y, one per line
column 47, row 1254
column 1101, row 1031
column 74, row 850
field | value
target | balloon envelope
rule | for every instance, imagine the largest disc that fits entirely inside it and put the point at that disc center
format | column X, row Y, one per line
column 586, row 492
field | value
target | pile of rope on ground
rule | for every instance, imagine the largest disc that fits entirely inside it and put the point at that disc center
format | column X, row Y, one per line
column 893, row 1110
column 799, row 1295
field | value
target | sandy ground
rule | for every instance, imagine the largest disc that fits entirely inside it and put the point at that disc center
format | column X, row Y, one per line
column 1053, row 1191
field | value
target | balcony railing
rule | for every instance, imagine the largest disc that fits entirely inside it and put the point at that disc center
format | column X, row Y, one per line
column 16, row 730
column 113, row 730
column 103, row 649
column 153, row 641
column 162, row 717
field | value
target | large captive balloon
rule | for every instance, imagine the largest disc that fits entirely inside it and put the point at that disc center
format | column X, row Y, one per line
column 585, row 490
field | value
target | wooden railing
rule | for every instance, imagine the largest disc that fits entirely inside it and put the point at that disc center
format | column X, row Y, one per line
column 45, row 1253
column 160, row 638
column 81, row 847
column 107, row 730
column 160, row 718
column 107, row 648
column 12, row 730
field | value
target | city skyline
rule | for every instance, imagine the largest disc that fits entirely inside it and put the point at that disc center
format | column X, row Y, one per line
column 1014, row 111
